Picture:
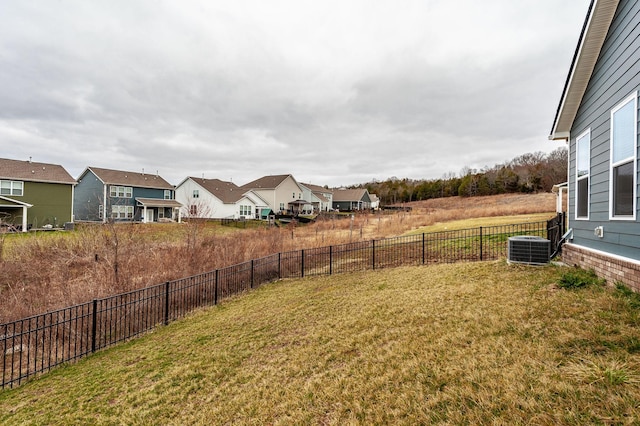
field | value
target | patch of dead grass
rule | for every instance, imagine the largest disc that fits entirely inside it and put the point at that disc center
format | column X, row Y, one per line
column 48, row 271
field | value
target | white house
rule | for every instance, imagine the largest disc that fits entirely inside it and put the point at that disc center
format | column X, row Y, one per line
column 217, row 199
column 282, row 193
column 321, row 198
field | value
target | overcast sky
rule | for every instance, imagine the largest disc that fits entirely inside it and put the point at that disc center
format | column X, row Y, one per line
column 333, row 92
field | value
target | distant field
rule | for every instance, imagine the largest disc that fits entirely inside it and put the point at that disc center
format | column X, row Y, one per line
column 477, row 222
column 479, row 343
column 51, row 270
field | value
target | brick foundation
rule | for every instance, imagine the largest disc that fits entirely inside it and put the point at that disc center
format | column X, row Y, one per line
column 613, row 269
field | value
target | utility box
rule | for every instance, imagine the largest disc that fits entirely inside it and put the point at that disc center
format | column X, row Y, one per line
column 529, row 250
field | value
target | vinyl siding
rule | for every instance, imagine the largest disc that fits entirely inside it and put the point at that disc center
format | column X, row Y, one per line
column 88, row 197
column 615, row 77
column 208, row 205
column 51, row 203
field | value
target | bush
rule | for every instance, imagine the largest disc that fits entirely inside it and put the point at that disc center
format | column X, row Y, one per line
column 579, row 278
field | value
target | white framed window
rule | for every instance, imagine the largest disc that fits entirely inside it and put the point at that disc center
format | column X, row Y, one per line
column 583, row 167
column 167, row 194
column 281, row 207
column 11, row 187
column 120, row 191
column 622, row 180
column 196, row 193
column 193, row 210
column 245, row 210
column 122, row 212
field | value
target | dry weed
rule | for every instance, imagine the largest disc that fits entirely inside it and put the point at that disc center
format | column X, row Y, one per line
column 48, row 271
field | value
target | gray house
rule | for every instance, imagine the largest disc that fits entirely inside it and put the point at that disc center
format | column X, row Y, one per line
column 351, row 199
column 598, row 117
column 105, row 194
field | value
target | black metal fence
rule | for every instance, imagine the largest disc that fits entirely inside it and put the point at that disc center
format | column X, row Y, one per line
column 35, row 345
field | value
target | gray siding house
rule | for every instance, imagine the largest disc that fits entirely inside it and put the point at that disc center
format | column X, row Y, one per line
column 105, row 194
column 598, row 117
column 351, row 199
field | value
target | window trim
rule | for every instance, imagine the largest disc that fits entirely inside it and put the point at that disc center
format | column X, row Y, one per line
column 115, row 191
column 633, row 159
column 12, row 190
column 587, row 176
column 120, row 211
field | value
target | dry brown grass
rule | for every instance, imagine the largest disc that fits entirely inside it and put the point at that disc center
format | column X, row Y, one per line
column 46, row 271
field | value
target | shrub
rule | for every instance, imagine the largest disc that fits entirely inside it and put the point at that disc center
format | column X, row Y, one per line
column 579, row 278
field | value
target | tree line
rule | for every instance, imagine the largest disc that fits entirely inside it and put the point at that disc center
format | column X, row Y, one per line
column 527, row 173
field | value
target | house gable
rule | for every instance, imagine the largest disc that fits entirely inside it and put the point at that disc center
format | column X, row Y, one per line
column 89, row 197
column 592, row 37
column 279, row 191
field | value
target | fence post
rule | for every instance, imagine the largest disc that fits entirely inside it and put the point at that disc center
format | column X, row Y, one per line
column 94, row 325
column 481, row 243
column 423, row 248
column 251, row 284
column 373, row 254
column 302, row 262
column 215, row 288
column 166, row 302
column 280, row 265
column 330, row 260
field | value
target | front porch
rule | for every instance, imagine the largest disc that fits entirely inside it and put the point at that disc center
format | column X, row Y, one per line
column 156, row 210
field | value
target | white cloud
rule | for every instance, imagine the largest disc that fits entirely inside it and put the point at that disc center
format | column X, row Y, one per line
column 333, row 92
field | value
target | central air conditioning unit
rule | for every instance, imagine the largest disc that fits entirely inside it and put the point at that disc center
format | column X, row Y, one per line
column 529, row 250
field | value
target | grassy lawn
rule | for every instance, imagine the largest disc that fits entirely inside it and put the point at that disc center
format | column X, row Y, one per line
column 477, row 222
column 477, row 343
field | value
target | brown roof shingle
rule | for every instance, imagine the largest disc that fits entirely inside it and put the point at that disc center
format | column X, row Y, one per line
column 227, row 192
column 137, row 179
column 34, row 172
column 266, row 182
column 349, row 194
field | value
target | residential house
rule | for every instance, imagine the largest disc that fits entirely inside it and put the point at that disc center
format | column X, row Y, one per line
column 35, row 195
column 375, row 201
column 282, row 194
column 217, row 199
column 351, row 199
column 598, row 117
column 321, row 198
column 105, row 194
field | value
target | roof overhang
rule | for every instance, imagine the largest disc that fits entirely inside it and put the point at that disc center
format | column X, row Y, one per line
column 10, row 202
column 156, row 202
column 594, row 32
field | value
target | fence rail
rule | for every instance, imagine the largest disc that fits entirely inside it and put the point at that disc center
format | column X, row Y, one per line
column 37, row 344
